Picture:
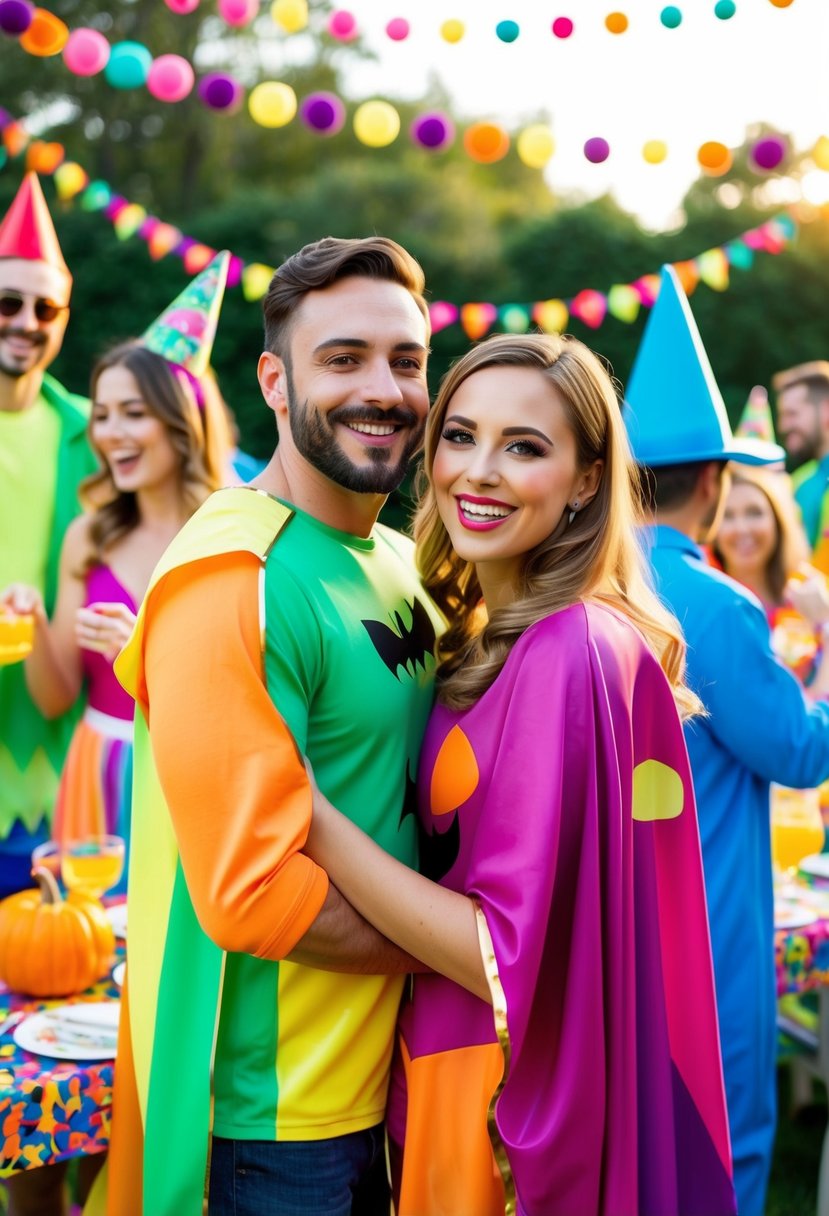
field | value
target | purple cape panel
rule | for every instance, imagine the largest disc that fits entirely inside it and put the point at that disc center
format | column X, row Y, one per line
column 580, row 842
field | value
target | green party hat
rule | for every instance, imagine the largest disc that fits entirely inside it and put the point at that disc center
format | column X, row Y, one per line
column 755, row 420
column 184, row 332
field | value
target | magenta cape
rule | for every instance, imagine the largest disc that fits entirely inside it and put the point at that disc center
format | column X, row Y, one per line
column 562, row 802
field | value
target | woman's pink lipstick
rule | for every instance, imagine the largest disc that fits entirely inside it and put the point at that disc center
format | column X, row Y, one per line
column 482, row 523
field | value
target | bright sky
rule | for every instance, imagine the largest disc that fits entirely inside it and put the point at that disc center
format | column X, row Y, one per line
column 706, row 80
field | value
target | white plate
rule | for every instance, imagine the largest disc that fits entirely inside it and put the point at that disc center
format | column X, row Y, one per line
column 71, row 1032
column 117, row 914
column 118, row 973
column 817, row 864
column 793, row 916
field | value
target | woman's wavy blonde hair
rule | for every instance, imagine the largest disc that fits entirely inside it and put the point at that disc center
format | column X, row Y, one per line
column 596, row 557
column 200, row 437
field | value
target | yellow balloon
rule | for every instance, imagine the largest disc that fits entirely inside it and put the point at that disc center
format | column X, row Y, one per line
column 452, row 30
column 654, row 151
column 551, row 315
column 70, row 179
column 535, row 145
column 272, row 104
column 820, row 153
column 376, row 124
column 256, row 279
column 292, row 15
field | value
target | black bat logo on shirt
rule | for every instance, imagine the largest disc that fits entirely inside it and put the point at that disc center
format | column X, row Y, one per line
column 404, row 644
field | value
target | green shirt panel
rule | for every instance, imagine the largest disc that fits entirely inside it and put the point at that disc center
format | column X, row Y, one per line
column 46, row 471
column 27, row 492
column 349, row 665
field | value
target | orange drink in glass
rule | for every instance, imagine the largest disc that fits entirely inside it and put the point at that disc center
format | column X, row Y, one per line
column 92, row 864
column 796, row 826
column 17, row 635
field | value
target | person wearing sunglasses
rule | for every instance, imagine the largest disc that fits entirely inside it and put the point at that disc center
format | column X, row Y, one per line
column 44, row 454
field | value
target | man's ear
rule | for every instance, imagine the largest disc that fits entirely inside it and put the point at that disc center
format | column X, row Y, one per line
column 273, row 381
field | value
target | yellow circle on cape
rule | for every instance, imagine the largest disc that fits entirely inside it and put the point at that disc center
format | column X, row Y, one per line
column 658, row 792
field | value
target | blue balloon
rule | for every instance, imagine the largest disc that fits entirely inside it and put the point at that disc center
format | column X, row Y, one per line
column 508, row 31
column 128, row 66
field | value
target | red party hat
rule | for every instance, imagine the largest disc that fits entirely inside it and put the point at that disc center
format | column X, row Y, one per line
column 27, row 230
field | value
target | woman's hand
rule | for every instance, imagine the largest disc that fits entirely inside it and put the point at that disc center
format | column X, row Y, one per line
column 22, row 600
column 104, row 627
column 808, row 594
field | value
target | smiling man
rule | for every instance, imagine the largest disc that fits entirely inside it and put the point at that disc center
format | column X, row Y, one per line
column 43, row 456
column 283, row 622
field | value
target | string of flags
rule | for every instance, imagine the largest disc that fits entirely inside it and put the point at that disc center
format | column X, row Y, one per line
column 621, row 301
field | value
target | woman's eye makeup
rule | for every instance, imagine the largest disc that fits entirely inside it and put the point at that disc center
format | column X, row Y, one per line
column 526, row 447
column 456, row 434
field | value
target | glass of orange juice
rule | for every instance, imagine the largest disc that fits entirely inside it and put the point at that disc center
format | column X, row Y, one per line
column 92, row 864
column 17, row 635
column 796, row 826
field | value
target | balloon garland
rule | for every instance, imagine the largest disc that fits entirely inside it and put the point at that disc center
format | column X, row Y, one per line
column 622, row 301
column 170, row 78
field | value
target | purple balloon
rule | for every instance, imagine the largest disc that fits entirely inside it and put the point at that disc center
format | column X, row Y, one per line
column 597, row 150
column 15, row 16
column 323, row 113
column 432, row 130
column 767, row 153
column 219, row 91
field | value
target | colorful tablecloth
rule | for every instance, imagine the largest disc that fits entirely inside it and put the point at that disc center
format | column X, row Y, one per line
column 51, row 1110
column 801, row 950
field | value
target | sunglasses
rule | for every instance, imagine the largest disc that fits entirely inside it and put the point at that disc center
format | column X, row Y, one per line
column 11, row 303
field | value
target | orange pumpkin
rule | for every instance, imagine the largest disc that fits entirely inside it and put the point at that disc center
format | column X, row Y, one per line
column 50, row 946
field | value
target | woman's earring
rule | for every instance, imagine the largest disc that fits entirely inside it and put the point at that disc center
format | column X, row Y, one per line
column 575, row 508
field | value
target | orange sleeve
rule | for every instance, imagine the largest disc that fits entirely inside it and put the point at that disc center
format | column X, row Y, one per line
column 236, row 786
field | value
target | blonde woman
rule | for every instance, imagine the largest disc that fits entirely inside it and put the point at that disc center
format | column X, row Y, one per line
column 562, row 1055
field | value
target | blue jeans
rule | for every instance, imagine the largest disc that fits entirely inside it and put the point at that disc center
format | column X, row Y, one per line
column 343, row 1176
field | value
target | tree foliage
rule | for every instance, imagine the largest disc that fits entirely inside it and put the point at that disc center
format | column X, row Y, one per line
column 482, row 232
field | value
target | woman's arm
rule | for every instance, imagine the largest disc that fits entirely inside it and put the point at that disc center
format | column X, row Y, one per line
column 435, row 925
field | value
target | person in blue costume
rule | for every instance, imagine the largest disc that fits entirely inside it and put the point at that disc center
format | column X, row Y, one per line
column 759, row 728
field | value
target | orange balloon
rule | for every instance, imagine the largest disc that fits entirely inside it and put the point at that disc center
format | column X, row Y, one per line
column 47, row 35
column 617, row 23
column 781, row 3
column 485, row 142
column 43, row 157
column 714, row 158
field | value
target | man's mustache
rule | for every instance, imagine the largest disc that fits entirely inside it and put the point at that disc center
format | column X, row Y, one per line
column 36, row 336
column 398, row 415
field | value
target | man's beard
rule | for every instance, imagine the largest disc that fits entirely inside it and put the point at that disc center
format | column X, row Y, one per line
column 809, row 449
column 14, row 370
column 314, row 439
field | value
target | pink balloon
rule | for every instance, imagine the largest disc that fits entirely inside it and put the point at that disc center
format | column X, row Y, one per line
column 86, row 52
column 238, row 12
column 182, row 6
column 342, row 25
column 398, row 29
column 170, row 78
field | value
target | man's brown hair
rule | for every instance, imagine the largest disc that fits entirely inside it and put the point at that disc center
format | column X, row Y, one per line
column 324, row 263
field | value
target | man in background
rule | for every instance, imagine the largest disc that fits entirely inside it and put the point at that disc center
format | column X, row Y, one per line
column 43, row 456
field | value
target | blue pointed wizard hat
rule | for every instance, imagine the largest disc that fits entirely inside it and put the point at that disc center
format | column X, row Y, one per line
column 674, row 411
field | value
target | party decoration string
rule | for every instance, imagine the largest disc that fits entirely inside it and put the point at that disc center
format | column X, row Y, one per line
column 622, row 301
column 376, row 123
